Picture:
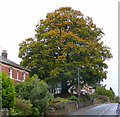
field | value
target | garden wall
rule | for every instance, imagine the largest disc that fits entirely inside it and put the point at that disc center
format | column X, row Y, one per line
column 62, row 108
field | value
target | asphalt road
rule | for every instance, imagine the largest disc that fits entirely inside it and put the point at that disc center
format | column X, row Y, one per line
column 103, row 110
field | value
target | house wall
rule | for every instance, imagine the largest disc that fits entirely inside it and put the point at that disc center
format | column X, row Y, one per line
column 15, row 72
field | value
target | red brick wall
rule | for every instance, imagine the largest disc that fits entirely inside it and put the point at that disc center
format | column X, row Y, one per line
column 27, row 75
column 14, row 74
column 5, row 69
column 20, row 73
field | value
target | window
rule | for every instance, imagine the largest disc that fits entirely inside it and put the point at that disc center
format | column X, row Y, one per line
column 10, row 72
column 23, row 75
column 17, row 75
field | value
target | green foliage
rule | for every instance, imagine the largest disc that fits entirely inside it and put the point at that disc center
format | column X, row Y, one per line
column 0, row 90
column 64, row 41
column 40, row 98
column 100, row 90
column 58, row 99
column 112, row 91
column 15, row 111
column 35, row 111
column 64, row 100
column 109, row 94
column 23, row 89
column 102, row 99
column 36, row 91
column 8, row 91
column 116, row 99
column 24, row 105
column 73, row 98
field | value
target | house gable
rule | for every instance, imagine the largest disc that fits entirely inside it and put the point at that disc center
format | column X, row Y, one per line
column 16, row 72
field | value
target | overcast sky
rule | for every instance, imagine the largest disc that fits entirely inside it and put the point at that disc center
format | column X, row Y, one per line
column 19, row 17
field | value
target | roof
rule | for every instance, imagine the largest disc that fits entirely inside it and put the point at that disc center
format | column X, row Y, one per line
column 9, row 62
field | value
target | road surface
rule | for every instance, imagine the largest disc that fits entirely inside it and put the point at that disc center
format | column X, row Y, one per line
column 104, row 110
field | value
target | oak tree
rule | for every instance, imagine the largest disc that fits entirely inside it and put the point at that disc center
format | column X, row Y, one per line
column 64, row 41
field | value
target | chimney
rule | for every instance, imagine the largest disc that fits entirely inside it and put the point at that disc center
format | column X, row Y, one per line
column 4, row 53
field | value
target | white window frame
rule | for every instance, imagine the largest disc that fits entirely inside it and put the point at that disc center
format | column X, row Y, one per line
column 17, row 74
column 11, row 72
column 23, row 76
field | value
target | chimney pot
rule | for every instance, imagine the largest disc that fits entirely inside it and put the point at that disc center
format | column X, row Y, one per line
column 4, row 53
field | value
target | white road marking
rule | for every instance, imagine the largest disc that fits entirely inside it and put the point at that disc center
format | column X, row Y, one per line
column 103, row 111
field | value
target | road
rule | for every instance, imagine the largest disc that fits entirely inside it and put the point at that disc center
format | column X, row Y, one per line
column 104, row 110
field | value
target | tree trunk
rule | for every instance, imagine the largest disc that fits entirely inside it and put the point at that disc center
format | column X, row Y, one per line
column 64, row 86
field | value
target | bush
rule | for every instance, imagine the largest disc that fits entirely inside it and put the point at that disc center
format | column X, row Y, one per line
column 40, row 98
column 58, row 99
column 109, row 94
column 24, row 105
column 36, row 91
column 100, row 90
column 23, row 89
column 15, row 111
column 102, row 99
column 117, row 99
column 73, row 98
column 8, row 91
column 34, row 111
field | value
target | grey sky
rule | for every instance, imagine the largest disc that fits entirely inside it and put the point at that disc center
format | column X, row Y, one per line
column 19, row 17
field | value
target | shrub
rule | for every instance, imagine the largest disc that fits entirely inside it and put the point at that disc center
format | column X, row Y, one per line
column 36, row 91
column 117, row 99
column 58, row 99
column 23, row 89
column 100, row 90
column 8, row 91
column 109, row 94
column 102, row 99
column 34, row 111
column 24, row 105
column 73, row 98
column 15, row 111
column 40, row 98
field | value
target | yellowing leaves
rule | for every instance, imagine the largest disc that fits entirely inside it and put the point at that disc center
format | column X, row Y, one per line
column 64, row 37
column 60, row 59
column 53, row 32
column 60, row 56
column 69, row 45
column 67, row 22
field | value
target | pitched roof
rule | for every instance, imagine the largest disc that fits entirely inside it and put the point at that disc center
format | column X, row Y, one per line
column 9, row 62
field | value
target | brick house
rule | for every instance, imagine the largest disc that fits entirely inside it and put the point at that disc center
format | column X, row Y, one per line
column 16, row 72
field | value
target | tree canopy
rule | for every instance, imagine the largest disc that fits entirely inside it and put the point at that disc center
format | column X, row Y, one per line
column 64, row 41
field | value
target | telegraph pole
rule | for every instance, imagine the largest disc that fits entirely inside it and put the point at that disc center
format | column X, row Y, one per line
column 78, row 89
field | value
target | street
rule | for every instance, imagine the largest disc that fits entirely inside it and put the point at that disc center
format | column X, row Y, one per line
column 99, row 111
